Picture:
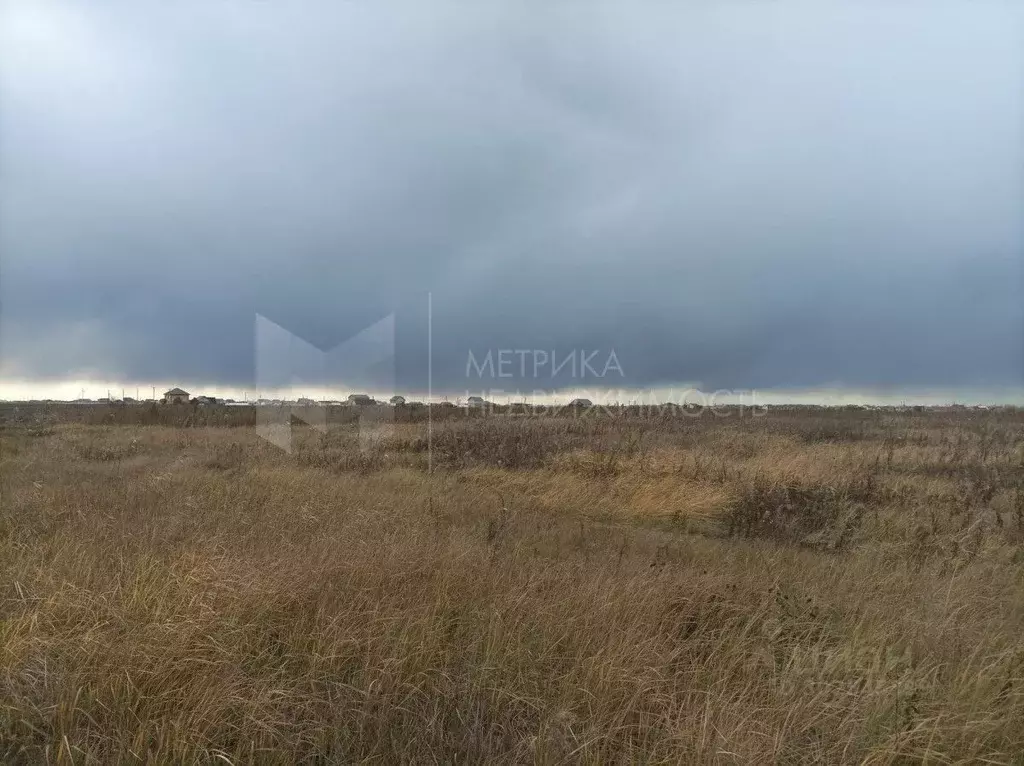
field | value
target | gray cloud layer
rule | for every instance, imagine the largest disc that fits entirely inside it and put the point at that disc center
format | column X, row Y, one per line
column 784, row 195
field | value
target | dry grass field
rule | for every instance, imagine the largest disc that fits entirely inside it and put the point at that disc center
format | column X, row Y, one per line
column 805, row 586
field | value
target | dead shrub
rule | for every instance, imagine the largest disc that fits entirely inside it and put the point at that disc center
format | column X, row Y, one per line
column 789, row 512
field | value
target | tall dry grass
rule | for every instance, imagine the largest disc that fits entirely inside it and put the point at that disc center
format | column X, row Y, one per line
column 798, row 587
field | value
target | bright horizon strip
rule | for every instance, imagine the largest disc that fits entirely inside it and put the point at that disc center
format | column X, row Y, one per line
column 25, row 390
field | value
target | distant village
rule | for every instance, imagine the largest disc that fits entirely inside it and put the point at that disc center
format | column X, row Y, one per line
column 180, row 397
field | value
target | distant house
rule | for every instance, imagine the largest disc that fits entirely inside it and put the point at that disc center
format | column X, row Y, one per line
column 358, row 400
column 397, row 400
column 581, row 403
column 176, row 396
column 305, row 401
column 476, row 402
column 205, row 401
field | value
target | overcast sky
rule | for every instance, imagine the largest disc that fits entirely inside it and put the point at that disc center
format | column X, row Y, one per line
column 739, row 195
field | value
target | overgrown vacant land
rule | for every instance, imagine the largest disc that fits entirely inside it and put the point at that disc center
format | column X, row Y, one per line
column 803, row 586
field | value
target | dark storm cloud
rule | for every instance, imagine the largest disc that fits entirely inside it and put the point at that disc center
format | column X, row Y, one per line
column 748, row 196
